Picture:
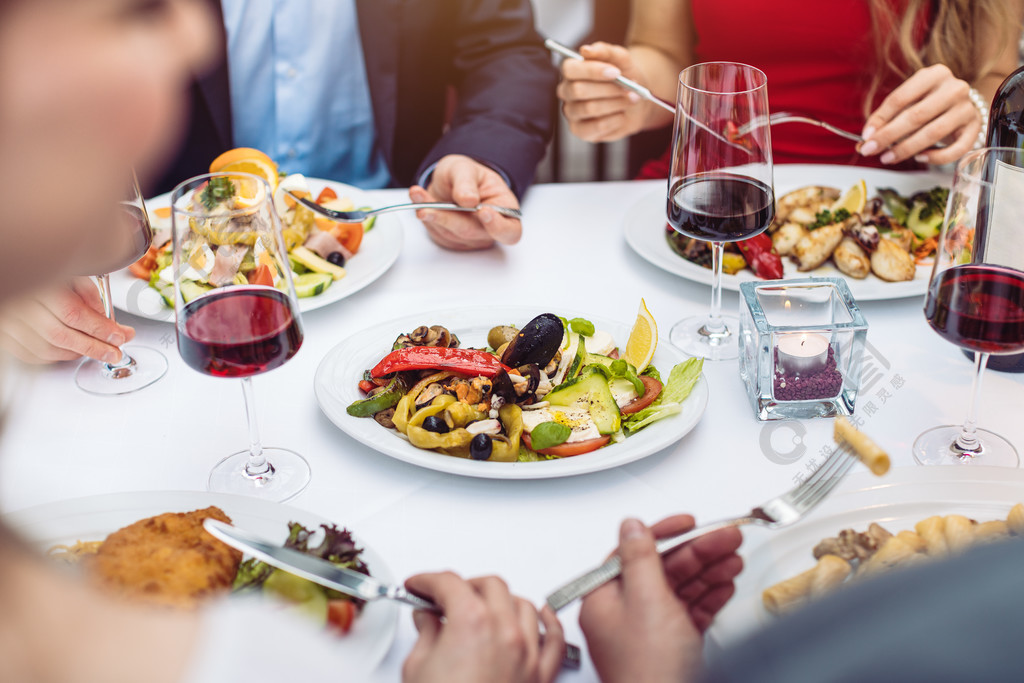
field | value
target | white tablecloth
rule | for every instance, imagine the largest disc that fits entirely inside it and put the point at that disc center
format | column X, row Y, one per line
column 62, row 443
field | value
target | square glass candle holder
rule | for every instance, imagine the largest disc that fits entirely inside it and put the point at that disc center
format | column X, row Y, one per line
column 801, row 344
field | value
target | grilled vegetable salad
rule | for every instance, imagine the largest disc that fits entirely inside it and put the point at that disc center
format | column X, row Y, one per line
column 551, row 389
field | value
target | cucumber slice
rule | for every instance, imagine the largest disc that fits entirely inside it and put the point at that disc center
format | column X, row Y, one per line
column 316, row 264
column 311, row 284
column 369, row 222
column 191, row 290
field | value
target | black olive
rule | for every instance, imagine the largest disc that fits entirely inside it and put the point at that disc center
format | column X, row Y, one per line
column 336, row 258
column 435, row 424
column 480, row 447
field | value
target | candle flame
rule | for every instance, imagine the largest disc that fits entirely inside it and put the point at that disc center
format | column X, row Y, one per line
column 787, row 304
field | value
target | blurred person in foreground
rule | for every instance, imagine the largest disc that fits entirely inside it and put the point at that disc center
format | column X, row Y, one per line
column 451, row 98
column 91, row 89
column 906, row 74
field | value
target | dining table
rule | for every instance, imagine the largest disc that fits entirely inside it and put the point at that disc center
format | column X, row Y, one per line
column 59, row 442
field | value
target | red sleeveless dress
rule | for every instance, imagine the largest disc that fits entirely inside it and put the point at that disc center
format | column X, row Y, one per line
column 819, row 58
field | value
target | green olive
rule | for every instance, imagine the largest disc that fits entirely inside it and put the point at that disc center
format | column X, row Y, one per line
column 502, row 334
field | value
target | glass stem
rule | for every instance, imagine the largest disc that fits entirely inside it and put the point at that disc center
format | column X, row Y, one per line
column 968, row 441
column 715, row 326
column 122, row 367
column 257, row 466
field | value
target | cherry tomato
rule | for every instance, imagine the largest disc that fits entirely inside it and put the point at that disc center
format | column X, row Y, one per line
column 340, row 614
column 652, row 390
column 568, row 449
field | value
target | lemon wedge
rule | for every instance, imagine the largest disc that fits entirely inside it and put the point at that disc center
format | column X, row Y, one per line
column 854, row 199
column 643, row 339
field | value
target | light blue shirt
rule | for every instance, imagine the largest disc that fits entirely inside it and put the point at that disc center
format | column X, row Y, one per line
column 299, row 90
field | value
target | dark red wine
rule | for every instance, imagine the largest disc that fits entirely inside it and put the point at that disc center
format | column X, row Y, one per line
column 720, row 207
column 238, row 332
column 1005, row 129
column 978, row 307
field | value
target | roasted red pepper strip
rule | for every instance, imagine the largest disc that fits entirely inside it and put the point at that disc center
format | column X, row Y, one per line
column 761, row 257
column 465, row 361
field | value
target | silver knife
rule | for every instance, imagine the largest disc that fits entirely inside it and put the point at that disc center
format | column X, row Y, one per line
column 323, row 573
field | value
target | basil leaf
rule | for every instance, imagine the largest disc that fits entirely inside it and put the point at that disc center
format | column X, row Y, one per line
column 548, row 434
column 621, row 368
column 582, row 326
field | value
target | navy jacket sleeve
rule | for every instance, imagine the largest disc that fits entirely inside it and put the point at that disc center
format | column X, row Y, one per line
column 505, row 89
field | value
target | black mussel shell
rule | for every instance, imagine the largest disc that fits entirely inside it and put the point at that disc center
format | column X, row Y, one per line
column 502, row 386
column 536, row 343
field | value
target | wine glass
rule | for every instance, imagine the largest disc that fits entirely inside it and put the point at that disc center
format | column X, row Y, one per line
column 976, row 294
column 720, row 184
column 139, row 366
column 235, row 310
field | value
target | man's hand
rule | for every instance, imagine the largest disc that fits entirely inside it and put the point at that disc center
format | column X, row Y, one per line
column 647, row 626
column 488, row 634
column 466, row 182
column 62, row 324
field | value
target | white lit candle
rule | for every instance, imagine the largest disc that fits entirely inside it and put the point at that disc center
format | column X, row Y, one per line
column 802, row 353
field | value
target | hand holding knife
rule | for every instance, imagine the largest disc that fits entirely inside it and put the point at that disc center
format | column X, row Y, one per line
column 323, row 573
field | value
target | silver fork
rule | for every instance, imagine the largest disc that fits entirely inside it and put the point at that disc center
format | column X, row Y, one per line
column 360, row 215
column 788, row 117
column 777, row 512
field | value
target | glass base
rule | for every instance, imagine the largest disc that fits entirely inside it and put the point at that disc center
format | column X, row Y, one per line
column 938, row 446
column 692, row 336
column 288, row 476
column 145, row 367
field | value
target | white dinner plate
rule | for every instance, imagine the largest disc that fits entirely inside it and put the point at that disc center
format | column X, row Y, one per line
column 93, row 518
column 897, row 501
column 341, row 369
column 645, row 228
column 378, row 251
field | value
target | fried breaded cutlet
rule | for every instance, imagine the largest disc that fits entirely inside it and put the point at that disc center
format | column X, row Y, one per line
column 166, row 560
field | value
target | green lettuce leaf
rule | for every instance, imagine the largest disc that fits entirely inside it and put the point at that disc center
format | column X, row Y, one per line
column 681, row 381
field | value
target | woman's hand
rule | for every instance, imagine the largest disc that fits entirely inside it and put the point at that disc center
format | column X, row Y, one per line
column 488, row 634
column 930, row 106
column 599, row 109
column 63, row 323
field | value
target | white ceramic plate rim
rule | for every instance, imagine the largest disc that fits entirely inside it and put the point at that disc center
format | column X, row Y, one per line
column 897, row 501
column 342, row 368
column 93, row 517
column 644, row 229
column 378, row 252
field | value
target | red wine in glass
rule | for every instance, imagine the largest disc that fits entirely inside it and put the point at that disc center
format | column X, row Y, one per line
column 978, row 307
column 239, row 332
column 720, row 207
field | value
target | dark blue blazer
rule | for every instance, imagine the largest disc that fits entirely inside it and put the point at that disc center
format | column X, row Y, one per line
column 417, row 51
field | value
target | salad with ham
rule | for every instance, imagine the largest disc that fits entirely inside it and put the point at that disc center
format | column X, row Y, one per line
column 318, row 248
column 552, row 388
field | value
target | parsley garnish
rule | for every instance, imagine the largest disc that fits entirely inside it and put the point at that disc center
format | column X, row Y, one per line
column 826, row 217
column 216, row 191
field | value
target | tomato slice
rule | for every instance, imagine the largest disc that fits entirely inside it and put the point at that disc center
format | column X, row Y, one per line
column 566, row 450
column 325, row 195
column 261, row 275
column 340, row 614
column 652, row 390
column 350, row 235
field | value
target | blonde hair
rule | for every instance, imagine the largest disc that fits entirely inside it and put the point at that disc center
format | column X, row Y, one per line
column 954, row 36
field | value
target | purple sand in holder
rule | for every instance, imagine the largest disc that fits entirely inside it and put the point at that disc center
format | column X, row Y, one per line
column 826, row 383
